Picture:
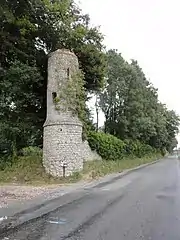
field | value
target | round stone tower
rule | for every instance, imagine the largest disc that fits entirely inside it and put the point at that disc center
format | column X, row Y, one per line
column 62, row 141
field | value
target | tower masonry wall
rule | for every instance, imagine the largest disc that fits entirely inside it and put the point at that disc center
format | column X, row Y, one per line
column 64, row 152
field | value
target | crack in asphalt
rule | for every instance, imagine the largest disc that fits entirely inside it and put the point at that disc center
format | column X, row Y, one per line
column 10, row 229
column 76, row 233
column 38, row 232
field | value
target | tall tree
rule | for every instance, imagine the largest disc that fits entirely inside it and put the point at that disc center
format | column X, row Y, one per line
column 30, row 29
column 131, row 106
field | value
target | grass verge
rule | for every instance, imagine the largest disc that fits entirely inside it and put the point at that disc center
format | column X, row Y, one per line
column 96, row 169
column 29, row 170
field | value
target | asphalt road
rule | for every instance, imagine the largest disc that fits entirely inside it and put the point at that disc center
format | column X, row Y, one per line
column 144, row 205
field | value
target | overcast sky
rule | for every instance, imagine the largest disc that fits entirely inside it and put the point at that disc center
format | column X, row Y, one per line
column 145, row 30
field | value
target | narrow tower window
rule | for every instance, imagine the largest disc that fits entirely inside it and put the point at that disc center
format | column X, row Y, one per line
column 68, row 72
column 54, row 95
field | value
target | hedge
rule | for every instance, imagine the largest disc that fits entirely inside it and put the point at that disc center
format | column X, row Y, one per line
column 110, row 147
column 107, row 146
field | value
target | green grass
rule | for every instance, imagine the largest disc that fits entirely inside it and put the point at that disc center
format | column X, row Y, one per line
column 98, row 169
column 29, row 170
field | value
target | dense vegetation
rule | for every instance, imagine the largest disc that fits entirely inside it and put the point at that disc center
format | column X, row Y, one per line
column 30, row 29
column 131, row 106
column 110, row 147
column 136, row 122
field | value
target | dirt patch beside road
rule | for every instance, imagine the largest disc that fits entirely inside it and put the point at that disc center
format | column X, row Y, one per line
column 12, row 193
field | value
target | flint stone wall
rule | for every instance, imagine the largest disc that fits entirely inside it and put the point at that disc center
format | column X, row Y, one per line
column 62, row 140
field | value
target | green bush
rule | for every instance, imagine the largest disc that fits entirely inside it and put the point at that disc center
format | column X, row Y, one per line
column 107, row 146
column 142, row 149
column 112, row 148
column 5, row 161
column 138, row 149
column 164, row 152
column 31, row 151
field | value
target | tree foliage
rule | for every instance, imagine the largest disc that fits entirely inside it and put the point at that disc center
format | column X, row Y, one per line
column 30, row 30
column 131, row 106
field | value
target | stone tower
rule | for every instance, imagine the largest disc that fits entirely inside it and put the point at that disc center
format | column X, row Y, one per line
column 62, row 142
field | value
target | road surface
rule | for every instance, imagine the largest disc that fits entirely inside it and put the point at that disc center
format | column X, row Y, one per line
column 144, row 205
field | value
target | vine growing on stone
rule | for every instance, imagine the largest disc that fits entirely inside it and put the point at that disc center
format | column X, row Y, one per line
column 71, row 98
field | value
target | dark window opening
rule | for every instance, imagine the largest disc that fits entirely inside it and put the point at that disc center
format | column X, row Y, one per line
column 54, row 95
column 68, row 72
